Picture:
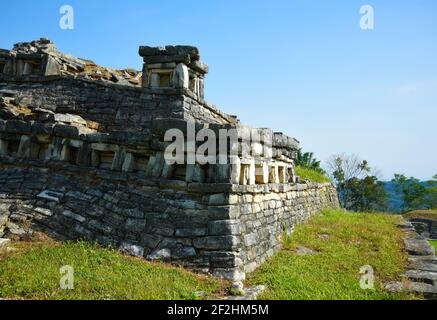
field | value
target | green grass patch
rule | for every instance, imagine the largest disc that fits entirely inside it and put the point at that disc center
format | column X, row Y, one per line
column 421, row 214
column 344, row 242
column 434, row 244
column 312, row 175
column 99, row 273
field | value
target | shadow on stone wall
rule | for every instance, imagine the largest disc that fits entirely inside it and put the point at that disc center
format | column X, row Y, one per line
column 222, row 229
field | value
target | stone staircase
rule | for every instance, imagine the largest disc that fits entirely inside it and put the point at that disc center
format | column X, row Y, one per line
column 422, row 265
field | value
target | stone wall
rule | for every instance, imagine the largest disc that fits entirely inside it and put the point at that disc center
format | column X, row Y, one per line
column 113, row 106
column 268, row 212
column 82, row 157
column 222, row 229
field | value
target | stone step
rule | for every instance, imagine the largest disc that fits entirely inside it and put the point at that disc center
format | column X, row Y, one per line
column 427, row 290
column 424, row 264
column 406, row 226
column 419, row 247
column 422, row 259
column 421, row 276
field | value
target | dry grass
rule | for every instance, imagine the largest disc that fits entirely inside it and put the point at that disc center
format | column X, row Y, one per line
column 421, row 214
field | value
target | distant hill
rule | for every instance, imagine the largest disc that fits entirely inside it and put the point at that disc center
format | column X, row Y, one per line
column 395, row 201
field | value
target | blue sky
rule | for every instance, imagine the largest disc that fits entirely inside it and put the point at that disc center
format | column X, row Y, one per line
column 301, row 67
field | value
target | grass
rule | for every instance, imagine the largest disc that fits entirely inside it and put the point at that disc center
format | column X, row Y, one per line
column 422, row 214
column 312, row 175
column 32, row 272
column 434, row 244
column 344, row 242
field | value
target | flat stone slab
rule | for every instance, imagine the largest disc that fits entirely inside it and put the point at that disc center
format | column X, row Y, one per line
column 395, row 286
column 419, row 247
column 428, row 290
column 250, row 293
column 406, row 226
column 422, row 259
column 302, row 251
column 424, row 266
column 323, row 236
column 50, row 195
column 421, row 276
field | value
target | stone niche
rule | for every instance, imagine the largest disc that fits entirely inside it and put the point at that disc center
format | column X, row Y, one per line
column 176, row 67
column 36, row 58
column 31, row 65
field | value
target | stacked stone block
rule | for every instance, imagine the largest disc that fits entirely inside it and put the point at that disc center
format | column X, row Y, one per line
column 84, row 158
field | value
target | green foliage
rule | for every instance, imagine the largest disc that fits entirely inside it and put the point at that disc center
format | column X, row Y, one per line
column 432, row 192
column 344, row 242
column 341, row 176
column 416, row 194
column 421, row 214
column 367, row 194
column 312, row 175
column 307, row 160
column 33, row 273
column 434, row 244
column 358, row 190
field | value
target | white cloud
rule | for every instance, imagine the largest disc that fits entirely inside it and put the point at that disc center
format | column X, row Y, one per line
column 418, row 88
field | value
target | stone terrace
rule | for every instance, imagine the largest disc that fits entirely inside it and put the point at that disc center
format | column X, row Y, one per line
column 82, row 156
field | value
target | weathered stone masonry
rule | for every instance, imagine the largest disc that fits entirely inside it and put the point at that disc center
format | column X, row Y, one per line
column 82, row 156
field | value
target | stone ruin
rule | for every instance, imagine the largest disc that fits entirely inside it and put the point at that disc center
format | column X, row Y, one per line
column 82, row 157
column 41, row 58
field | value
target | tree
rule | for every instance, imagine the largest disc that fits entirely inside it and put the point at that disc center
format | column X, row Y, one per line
column 432, row 192
column 413, row 192
column 367, row 194
column 416, row 194
column 358, row 189
column 307, row 160
column 343, row 167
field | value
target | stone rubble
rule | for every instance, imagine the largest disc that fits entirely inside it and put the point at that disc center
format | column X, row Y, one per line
column 41, row 57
